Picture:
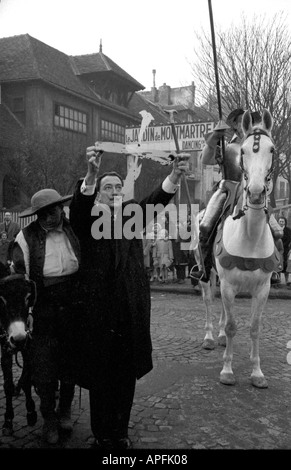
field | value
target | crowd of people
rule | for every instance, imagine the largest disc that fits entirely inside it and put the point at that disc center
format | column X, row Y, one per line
column 93, row 287
column 167, row 254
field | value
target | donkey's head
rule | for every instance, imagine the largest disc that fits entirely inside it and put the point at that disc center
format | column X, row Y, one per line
column 16, row 296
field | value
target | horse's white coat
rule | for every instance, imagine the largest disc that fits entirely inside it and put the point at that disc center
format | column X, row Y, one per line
column 248, row 237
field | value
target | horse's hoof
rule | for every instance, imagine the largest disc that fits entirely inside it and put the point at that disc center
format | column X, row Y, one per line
column 259, row 382
column 7, row 428
column 31, row 418
column 208, row 344
column 227, row 378
column 222, row 340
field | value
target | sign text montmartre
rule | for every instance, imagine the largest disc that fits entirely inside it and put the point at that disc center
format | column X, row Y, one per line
column 190, row 136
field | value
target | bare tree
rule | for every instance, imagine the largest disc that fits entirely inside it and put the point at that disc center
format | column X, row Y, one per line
column 254, row 62
column 47, row 160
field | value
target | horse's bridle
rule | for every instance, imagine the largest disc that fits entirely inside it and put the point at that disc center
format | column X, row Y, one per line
column 4, row 341
column 257, row 133
column 4, row 337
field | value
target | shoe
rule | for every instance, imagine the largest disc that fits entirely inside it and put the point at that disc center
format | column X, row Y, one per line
column 103, row 444
column 65, row 421
column 123, row 443
column 50, row 431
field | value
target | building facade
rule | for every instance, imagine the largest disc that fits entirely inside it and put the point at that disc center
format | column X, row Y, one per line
column 82, row 99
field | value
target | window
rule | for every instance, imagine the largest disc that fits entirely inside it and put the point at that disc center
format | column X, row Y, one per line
column 70, row 119
column 112, row 132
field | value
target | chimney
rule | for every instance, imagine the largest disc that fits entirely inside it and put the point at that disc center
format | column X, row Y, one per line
column 154, row 78
column 154, row 91
column 100, row 46
column 165, row 95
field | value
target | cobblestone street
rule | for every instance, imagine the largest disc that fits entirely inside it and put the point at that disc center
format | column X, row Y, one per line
column 181, row 403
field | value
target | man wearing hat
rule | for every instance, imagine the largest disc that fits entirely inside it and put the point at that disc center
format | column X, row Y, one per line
column 227, row 194
column 47, row 250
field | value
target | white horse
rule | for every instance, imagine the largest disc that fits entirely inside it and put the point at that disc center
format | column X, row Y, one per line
column 244, row 249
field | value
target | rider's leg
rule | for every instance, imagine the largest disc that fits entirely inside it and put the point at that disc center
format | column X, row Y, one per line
column 206, row 237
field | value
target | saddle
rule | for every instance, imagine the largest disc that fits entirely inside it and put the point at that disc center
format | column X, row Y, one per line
column 229, row 261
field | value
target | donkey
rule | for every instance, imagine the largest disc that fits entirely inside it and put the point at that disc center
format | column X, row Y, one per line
column 17, row 295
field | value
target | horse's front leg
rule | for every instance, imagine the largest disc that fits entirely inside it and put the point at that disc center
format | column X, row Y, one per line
column 258, row 305
column 222, row 335
column 228, row 296
column 6, row 364
column 207, row 295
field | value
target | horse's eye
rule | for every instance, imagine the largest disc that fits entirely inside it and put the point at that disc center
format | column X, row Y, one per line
column 272, row 149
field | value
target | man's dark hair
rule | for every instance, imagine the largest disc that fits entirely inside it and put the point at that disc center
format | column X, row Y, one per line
column 107, row 173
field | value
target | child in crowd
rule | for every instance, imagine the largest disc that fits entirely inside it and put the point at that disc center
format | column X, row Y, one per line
column 163, row 254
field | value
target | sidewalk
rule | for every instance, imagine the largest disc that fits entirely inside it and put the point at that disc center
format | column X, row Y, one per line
column 181, row 405
column 281, row 291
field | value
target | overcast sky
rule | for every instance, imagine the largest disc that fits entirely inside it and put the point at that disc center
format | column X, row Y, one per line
column 138, row 35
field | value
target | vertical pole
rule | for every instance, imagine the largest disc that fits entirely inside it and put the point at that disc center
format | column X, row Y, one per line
column 216, row 71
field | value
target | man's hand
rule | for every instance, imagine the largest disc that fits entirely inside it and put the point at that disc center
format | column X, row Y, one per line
column 93, row 156
column 213, row 138
column 180, row 166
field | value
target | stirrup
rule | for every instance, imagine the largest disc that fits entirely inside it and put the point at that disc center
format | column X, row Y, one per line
column 197, row 278
column 193, row 269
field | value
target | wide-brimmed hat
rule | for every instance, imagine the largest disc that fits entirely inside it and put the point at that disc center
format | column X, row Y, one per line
column 232, row 117
column 42, row 199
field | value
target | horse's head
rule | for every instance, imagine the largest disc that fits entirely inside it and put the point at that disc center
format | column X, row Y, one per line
column 16, row 296
column 257, row 153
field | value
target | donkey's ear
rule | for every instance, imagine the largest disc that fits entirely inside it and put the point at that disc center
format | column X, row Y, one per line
column 267, row 120
column 247, row 122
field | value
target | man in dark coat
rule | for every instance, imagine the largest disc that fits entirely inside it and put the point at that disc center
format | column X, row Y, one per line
column 9, row 226
column 286, row 239
column 113, row 340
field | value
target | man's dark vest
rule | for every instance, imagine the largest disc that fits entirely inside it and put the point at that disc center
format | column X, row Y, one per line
column 35, row 237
